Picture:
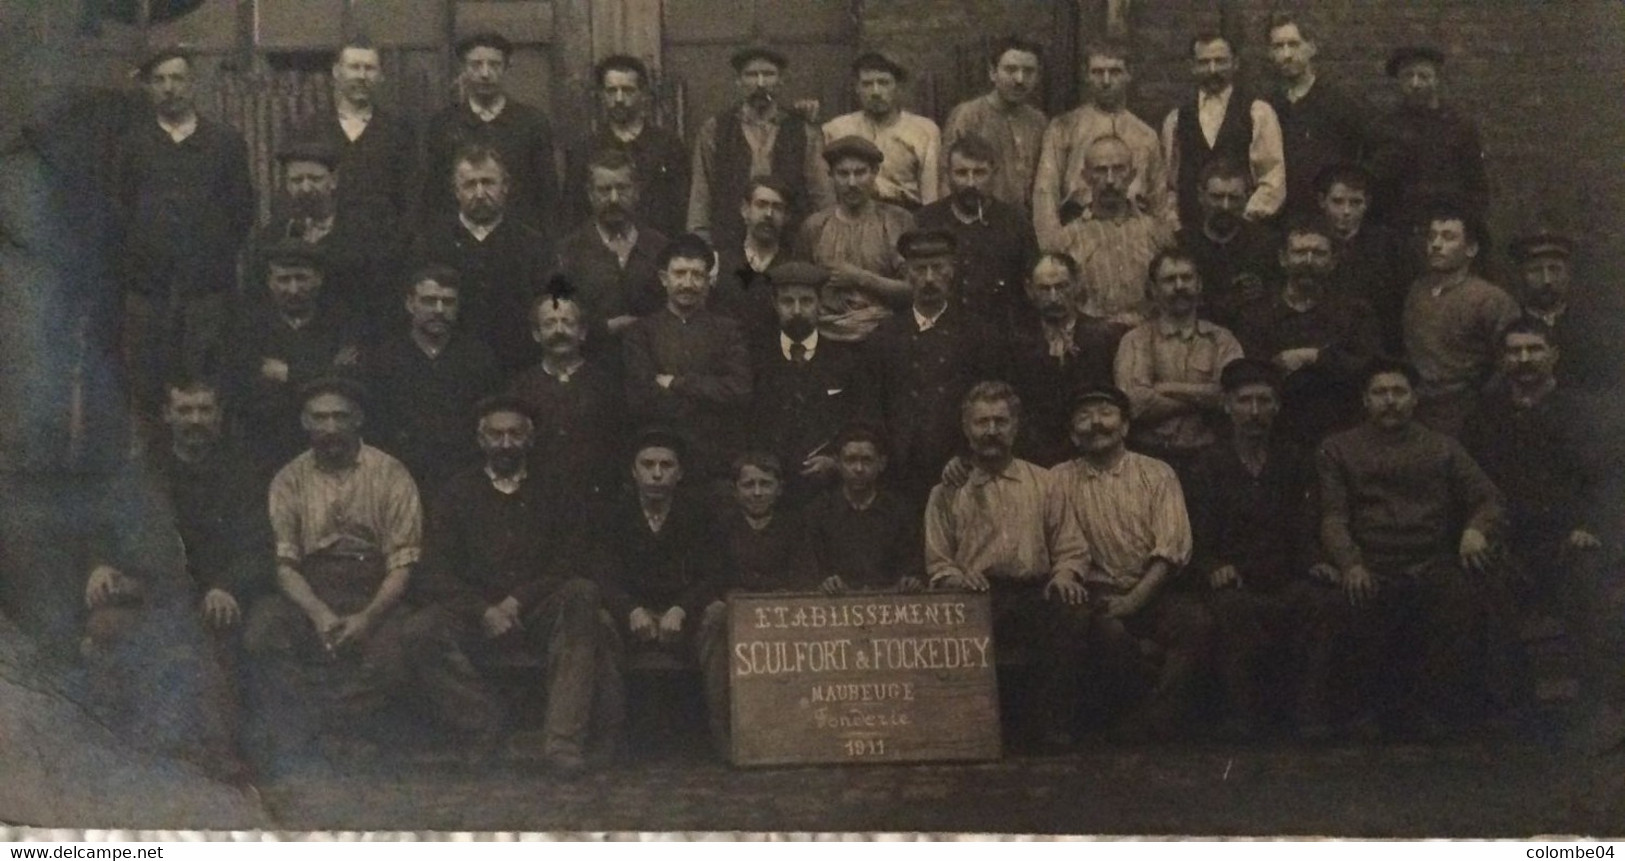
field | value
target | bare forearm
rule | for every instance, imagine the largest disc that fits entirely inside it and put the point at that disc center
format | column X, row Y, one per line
column 389, row 592
column 297, row 590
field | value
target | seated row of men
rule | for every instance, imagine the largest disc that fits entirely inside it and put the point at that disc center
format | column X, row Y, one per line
column 1403, row 549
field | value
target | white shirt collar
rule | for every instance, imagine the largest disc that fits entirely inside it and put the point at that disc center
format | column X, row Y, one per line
column 480, row 231
column 180, row 131
column 925, row 323
column 810, row 342
column 491, row 113
column 508, row 485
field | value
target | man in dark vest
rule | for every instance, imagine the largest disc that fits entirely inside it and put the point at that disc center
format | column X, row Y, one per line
column 759, row 136
column 1221, row 119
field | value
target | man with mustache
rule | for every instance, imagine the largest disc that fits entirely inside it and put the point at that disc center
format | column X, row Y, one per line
column 687, row 367
column 161, row 645
column 1170, row 364
column 1060, row 192
column 1006, row 530
column 1451, row 319
column 856, row 240
column 911, row 143
column 426, row 379
column 1318, row 339
column 996, row 242
column 661, row 160
column 1321, row 124
column 1222, row 120
column 348, row 529
column 610, row 261
column 1422, row 149
column 1582, row 322
column 741, row 269
column 519, row 133
column 188, row 202
column 1237, row 257
column 1371, row 264
column 1113, row 239
column 1532, row 438
column 1005, row 119
column 291, row 335
column 761, row 136
column 1406, row 517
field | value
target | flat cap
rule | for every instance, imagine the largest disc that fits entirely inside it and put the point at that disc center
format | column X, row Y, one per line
column 927, row 243
column 289, row 250
column 881, row 63
column 503, row 404
column 1247, row 372
column 345, row 387
column 1541, row 243
column 853, row 146
column 757, row 52
column 660, row 436
column 797, row 274
column 162, row 54
column 1091, row 393
column 1402, row 57
column 316, row 151
column 1344, row 170
column 484, row 39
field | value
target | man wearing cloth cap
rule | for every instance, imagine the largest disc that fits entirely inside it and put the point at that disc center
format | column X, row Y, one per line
column 1131, row 511
column 1422, row 149
column 504, row 568
column 1006, row 119
column 806, row 386
column 185, row 192
column 1583, row 325
column 856, row 239
column 487, row 116
column 757, row 137
column 289, row 335
column 911, row 143
column 348, row 529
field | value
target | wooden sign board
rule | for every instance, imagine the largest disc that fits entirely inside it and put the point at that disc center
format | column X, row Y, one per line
column 903, row 677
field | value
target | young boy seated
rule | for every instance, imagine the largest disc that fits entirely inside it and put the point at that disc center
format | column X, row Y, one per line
column 767, row 546
column 862, row 536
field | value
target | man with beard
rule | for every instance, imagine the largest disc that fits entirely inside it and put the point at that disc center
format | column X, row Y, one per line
column 740, row 269
column 1004, row 118
column 1112, row 240
column 759, row 137
column 660, row 158
column 1222, row 120
column 856, row 240
column 911, row 143
column 1170, row 364
column 1006, row 530
column 1531, row 437
column 806, row 387
column 1321, row 125
column 1319, row 340
column 575, row 401
column 1422, row 150
column 1060, row 352
column 688, row 367
column 1393, row 495
column 1371, row 264
column 501, row 260
column 996, row 243
column 1131, row 512
column 292, row 336
column 922, row 362
column 1060, row 190
column 188, row 203
column 519, row 133
column 376, row 153
column 1582, row 323
column 1451, row 320
column 425, row 381
column 159, row 646
column 610, row 260
column 502, row 570
column 348, row 528
column 1236, row 257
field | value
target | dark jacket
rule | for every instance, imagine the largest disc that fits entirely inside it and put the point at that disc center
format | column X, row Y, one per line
column 500, row 275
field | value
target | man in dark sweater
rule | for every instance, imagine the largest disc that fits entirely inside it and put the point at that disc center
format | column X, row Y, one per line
column 742, row 269
column 609, row 261
column 188, row 203
column 661, row 159
column 501, row 567
column 1373, row 264
column 1236, row 257
column 425, row 379
column 502, row 260
column 1406, row 517
column 1423, row 150
column 1321, row 125
column 487, row 117
column 861, row 535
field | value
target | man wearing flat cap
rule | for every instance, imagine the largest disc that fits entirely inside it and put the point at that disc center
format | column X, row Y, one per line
column 1424, row 150
column 287, row 336
column 910, row 142
column 1582, row 325
column 760, row 136
column 856, row 240
column 487, row 116
column 185, row 192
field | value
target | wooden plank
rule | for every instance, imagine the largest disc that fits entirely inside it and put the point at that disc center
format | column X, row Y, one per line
column 399, row 23
column 864, row 678
column 285, row 25
column 524, row 22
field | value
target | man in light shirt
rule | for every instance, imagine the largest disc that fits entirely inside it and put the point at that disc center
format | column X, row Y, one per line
column 1005, row 118
column 1113, row 240
column 910, row 142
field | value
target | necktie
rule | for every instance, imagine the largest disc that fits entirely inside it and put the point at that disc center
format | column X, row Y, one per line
column 798, row 353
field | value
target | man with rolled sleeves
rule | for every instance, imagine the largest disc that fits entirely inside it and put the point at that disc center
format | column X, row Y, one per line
column 1005, row 118
column 911, row 143
column 1424, row 150
column 623, row 91
column 1583, row 322
column 856, row 240
column 760, row 136
column 488, row 117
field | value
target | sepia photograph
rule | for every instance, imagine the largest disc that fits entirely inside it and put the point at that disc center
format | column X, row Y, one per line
column 1117, row 418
